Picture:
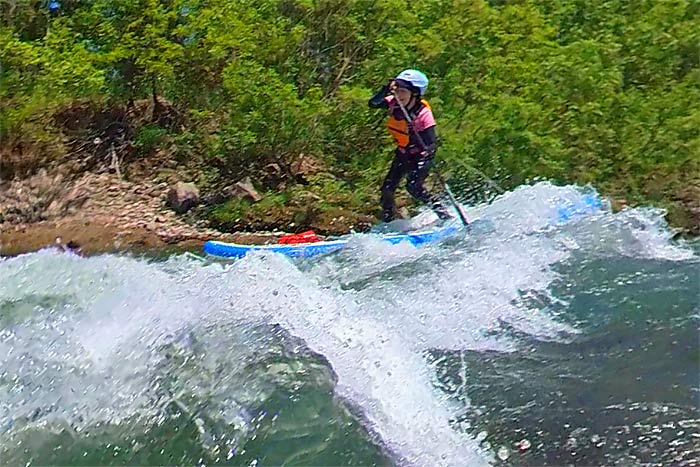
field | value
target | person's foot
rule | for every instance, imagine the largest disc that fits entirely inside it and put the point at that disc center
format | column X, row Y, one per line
column 443, row 214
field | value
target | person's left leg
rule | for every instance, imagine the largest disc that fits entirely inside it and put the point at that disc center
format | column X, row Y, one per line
column 417, row 173
column 393, row 177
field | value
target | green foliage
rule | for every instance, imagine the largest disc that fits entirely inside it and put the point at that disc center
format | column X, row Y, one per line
column 597, row 91
column 149, row 137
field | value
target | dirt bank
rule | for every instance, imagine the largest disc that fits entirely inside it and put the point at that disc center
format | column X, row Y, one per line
column 99, row 213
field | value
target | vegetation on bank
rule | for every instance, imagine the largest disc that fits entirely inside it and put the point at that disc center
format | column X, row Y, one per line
column 605, row 92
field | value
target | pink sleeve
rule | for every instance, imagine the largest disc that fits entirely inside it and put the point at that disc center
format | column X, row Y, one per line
column 424, row 120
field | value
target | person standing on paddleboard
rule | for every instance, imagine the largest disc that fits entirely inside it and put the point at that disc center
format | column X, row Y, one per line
column 415, row 139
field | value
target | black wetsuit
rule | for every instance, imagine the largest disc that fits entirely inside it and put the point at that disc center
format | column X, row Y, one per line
column 414, row 161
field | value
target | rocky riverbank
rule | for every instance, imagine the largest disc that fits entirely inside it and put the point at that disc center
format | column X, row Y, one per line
column 99, row 212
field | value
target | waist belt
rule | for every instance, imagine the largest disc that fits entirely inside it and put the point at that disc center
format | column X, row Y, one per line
column 412, row 150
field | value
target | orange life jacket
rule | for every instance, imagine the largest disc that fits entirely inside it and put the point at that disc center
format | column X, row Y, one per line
column 399, row 129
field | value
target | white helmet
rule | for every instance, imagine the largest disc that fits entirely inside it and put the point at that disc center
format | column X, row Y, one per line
column 414, row 79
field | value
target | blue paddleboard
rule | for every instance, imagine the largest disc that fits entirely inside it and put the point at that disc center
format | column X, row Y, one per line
column 235, row 250
column 564, row 212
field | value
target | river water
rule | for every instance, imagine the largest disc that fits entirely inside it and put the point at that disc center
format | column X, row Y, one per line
column 535, row 339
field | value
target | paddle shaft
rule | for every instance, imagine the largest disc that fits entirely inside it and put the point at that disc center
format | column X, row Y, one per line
column 442, row 181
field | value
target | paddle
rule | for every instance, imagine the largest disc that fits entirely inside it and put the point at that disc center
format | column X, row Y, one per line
column 442, row 181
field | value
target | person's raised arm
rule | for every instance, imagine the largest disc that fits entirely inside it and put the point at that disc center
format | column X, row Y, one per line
column 377, row 101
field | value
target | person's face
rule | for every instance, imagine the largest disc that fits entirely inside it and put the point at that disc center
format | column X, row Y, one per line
column 403, row 95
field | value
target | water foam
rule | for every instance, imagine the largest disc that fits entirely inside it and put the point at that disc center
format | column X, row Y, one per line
column 376, row 369
column 372, row 311
column 97, row 359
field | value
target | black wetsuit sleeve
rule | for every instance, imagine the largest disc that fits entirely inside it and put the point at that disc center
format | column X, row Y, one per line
column 377, row 101
column 429, row 139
